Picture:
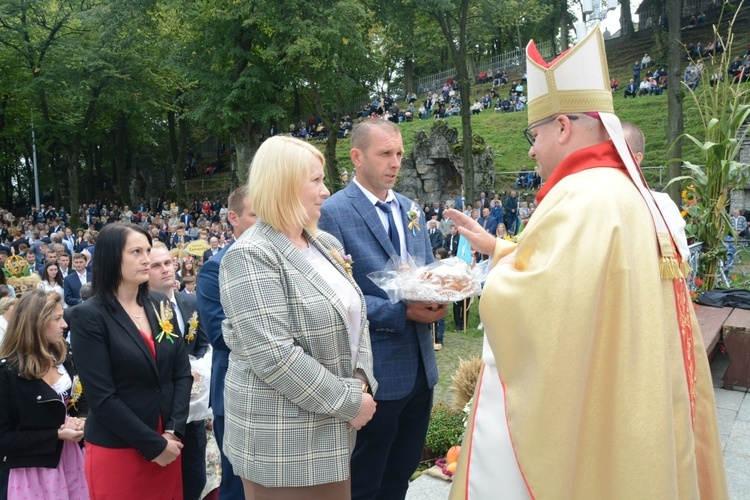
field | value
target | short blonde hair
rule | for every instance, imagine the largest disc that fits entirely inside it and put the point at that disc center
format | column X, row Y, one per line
column 280, row 167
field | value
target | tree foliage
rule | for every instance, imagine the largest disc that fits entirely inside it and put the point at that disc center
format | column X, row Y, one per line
column 120, row 92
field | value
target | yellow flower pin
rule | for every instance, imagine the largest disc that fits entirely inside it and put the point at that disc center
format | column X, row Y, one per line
column 344, row 260
column 165, row 322
column 413, row 214
column 75, row 393
column 192, row 327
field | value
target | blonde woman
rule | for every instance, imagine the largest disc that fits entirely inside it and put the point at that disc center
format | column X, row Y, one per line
column 501, row 232
column 42, row 408
column 300, row 372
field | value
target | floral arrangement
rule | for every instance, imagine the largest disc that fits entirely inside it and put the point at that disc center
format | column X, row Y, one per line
column 722, row 108
column 344, row 260
column 75, row 393
column 413, row 214
column 192, row 327
column 164, row 318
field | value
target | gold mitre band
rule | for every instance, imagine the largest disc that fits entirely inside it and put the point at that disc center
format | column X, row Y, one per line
column 577, row 81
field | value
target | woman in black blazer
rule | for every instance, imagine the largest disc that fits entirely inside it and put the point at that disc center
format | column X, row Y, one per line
column 136, row 374
column 42, row 408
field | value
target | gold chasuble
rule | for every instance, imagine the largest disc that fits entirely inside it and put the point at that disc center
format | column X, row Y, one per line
column 589, row 355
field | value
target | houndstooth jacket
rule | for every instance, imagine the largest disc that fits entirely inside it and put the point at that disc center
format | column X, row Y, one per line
column 289, row 388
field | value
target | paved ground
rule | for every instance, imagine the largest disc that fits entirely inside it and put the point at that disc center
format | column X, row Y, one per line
column 732, row 407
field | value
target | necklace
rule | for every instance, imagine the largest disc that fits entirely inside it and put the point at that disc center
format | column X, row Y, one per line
column 136, row 317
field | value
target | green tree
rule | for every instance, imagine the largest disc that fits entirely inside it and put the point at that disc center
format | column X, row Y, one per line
column 331, row 53
column 235, row 79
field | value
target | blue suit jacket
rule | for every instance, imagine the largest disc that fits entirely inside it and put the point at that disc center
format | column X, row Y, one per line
column 397, row 343
column 211, row 314
column 72, row 287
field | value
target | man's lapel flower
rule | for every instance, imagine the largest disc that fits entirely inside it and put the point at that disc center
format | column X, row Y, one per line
column 164, row 317
column 413, row 214
column 344, row 260
column 192, row 327
column 75, row 393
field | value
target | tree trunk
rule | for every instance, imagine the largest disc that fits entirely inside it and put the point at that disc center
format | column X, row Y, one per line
column 626, row 19
column 246, row 143
column 675, row 96
column 184, row 131
column 174, row 148
column 409, row 74
column 467, row 140
column 563, row 26
column 297, row 114
column 332, row 164
column 121, row 139
column 73, row 174
column 457, row 45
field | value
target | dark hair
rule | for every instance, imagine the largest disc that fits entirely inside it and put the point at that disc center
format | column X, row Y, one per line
column 45, row 273
column 107, row 278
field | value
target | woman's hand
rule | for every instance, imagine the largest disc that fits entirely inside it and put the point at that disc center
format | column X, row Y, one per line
column 66, row 434
column 171, row 452
column 482, row 241
column 365, row 412
column 73, row 423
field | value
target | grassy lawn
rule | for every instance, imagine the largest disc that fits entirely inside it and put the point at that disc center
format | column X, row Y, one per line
column 456, row 346
column 503, row 133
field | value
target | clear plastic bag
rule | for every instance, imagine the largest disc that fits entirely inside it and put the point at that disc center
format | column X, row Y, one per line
column 201, row 389
column 448, row 280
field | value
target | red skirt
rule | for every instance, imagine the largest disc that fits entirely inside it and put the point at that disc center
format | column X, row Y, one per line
column 123, row 474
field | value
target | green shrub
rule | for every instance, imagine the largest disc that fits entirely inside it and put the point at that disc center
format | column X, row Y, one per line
column 445, row 429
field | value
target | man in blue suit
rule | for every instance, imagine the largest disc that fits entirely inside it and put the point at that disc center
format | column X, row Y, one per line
column 74, row 280
column 211, row 314
column 372, row 223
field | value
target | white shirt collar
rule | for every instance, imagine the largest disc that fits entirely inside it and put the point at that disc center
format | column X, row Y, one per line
column 390, row 198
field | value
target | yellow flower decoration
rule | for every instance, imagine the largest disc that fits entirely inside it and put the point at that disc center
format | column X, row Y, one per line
column 413, row 215
column 344, row 260
column 192, row 327
column 75, row 393
column 165, row 322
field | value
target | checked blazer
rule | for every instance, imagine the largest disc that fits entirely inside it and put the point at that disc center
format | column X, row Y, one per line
column 289, row 390
column 396, row 343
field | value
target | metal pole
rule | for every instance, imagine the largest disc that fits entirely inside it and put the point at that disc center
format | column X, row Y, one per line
column 36, row 171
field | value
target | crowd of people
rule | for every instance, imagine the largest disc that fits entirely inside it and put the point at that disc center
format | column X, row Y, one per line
column 320, row 386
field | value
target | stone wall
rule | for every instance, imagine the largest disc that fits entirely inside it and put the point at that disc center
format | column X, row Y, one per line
column 434, row 169
column 740, row 198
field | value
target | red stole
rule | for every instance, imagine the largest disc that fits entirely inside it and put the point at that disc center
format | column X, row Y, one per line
column 599, row 155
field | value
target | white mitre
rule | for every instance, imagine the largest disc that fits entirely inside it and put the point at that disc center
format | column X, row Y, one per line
column 577, row 81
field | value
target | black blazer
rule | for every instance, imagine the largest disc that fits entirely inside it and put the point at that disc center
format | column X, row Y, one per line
column 188, row 304
column 452, row 248
column 31, row 412
column 127, row 390
column 208, row 254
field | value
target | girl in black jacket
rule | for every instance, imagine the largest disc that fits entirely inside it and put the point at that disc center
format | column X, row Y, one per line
column 42, row 408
